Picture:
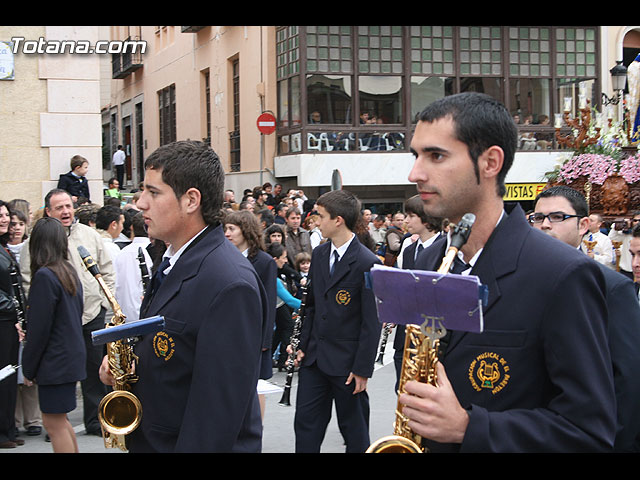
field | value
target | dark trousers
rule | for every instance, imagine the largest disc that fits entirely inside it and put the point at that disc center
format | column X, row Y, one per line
column 120, row 175
column 92, row 388
column 9, row 386
column 316, row 394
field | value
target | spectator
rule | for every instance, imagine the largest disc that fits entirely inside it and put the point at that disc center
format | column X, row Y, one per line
column 54, row 354
column 58, row 205
column 75, row 181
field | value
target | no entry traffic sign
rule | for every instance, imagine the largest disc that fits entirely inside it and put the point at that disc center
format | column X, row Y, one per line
column 266, row 123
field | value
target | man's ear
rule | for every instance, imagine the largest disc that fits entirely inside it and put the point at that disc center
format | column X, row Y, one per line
column 583, row 226
column 192, row 198
column 491, row 161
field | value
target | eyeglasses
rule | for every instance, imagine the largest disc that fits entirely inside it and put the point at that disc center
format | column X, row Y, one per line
column 554, row 217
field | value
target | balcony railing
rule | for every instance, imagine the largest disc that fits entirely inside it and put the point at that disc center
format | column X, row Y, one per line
column 125, row 63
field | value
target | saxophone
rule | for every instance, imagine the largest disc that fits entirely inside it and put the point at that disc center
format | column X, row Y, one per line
column 420, row 357
column 120, row 411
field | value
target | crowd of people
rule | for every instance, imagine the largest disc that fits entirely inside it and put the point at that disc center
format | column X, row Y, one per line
column 553, row 369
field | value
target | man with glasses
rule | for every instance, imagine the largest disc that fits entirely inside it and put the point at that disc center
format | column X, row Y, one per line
column 621, row 232
column 562, row 212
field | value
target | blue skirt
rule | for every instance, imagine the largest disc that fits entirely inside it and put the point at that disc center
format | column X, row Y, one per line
column 57, row 398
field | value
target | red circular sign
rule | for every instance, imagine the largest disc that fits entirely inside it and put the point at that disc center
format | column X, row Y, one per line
column 266, row 123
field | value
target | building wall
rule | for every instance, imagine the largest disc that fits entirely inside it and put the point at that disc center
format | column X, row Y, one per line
column 174, row 57
column 50, row 112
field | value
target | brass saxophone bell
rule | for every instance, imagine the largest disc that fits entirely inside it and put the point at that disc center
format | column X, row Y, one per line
column 394, row 444
column 120, row 412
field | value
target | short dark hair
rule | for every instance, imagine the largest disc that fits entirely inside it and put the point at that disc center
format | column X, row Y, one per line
column 274, row 228
column 106, row 215
column 275, row 250
column 480, row 122
column 574, row 197
column 192, row 164
column 139, row 228
column 87, row 213
column 292, row 211
column 341, row 203
column 77, row 161
column 635, row 231
column 51, row 193
column 416, row 206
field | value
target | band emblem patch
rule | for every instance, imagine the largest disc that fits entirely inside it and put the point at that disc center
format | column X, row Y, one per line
column 163, row 346
column 343, row 297
column 489, row 371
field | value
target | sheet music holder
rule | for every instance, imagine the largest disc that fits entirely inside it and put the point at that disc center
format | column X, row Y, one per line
column 406, row 297
column 128, row 330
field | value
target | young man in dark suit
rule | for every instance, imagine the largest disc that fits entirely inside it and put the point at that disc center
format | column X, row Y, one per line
column 553, row 214
column 198, row 377
column 340, row 333
column 539, row 377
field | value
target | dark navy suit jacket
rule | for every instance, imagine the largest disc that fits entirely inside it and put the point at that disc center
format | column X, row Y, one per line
column 539, row 377
column 54, row 352
column 624, row 339
column 267, row 271
column 198, row 377
column 341, row 328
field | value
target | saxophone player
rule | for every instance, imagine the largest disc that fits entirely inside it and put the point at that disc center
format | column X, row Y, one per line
column 197, row 377
column 538, row 378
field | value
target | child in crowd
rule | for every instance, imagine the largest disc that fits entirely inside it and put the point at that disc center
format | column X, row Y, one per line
column 75, row 182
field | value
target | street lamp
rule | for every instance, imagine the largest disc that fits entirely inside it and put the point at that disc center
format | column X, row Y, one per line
column 618, row 80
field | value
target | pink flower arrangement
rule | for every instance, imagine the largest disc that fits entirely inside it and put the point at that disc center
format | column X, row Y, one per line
column 596, row 167
column 630, row 168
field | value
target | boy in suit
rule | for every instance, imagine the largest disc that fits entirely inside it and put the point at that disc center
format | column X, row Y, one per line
column 340, row 333
column 197, row 377
column 75, row 181
column 427, row 229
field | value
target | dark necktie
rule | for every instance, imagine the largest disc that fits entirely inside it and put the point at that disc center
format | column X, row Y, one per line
column 459, row 266
column 159, row 276
column 419, row 249
column 336, row 258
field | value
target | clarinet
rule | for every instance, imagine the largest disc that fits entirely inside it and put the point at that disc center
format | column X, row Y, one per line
column 294, row 342
column 144, row 271
column 383, row 343
column 18, row 296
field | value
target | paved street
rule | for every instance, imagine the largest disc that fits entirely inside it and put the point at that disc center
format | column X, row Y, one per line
column 278, row 424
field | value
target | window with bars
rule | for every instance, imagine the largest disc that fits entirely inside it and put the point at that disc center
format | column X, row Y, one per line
column 234, row 135
column 167, row 114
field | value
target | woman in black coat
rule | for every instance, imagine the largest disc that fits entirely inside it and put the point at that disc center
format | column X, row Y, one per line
column 8, row 336
column 54, row 352
column 242, row 228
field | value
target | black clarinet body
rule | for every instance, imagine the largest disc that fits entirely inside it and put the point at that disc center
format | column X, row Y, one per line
column 144, row 271
column 18, row 296
column 294, row 342
column 383, row 343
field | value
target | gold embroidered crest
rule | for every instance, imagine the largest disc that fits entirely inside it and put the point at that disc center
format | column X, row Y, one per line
column 343, row 297
column 489, row 371
column 163, row 346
